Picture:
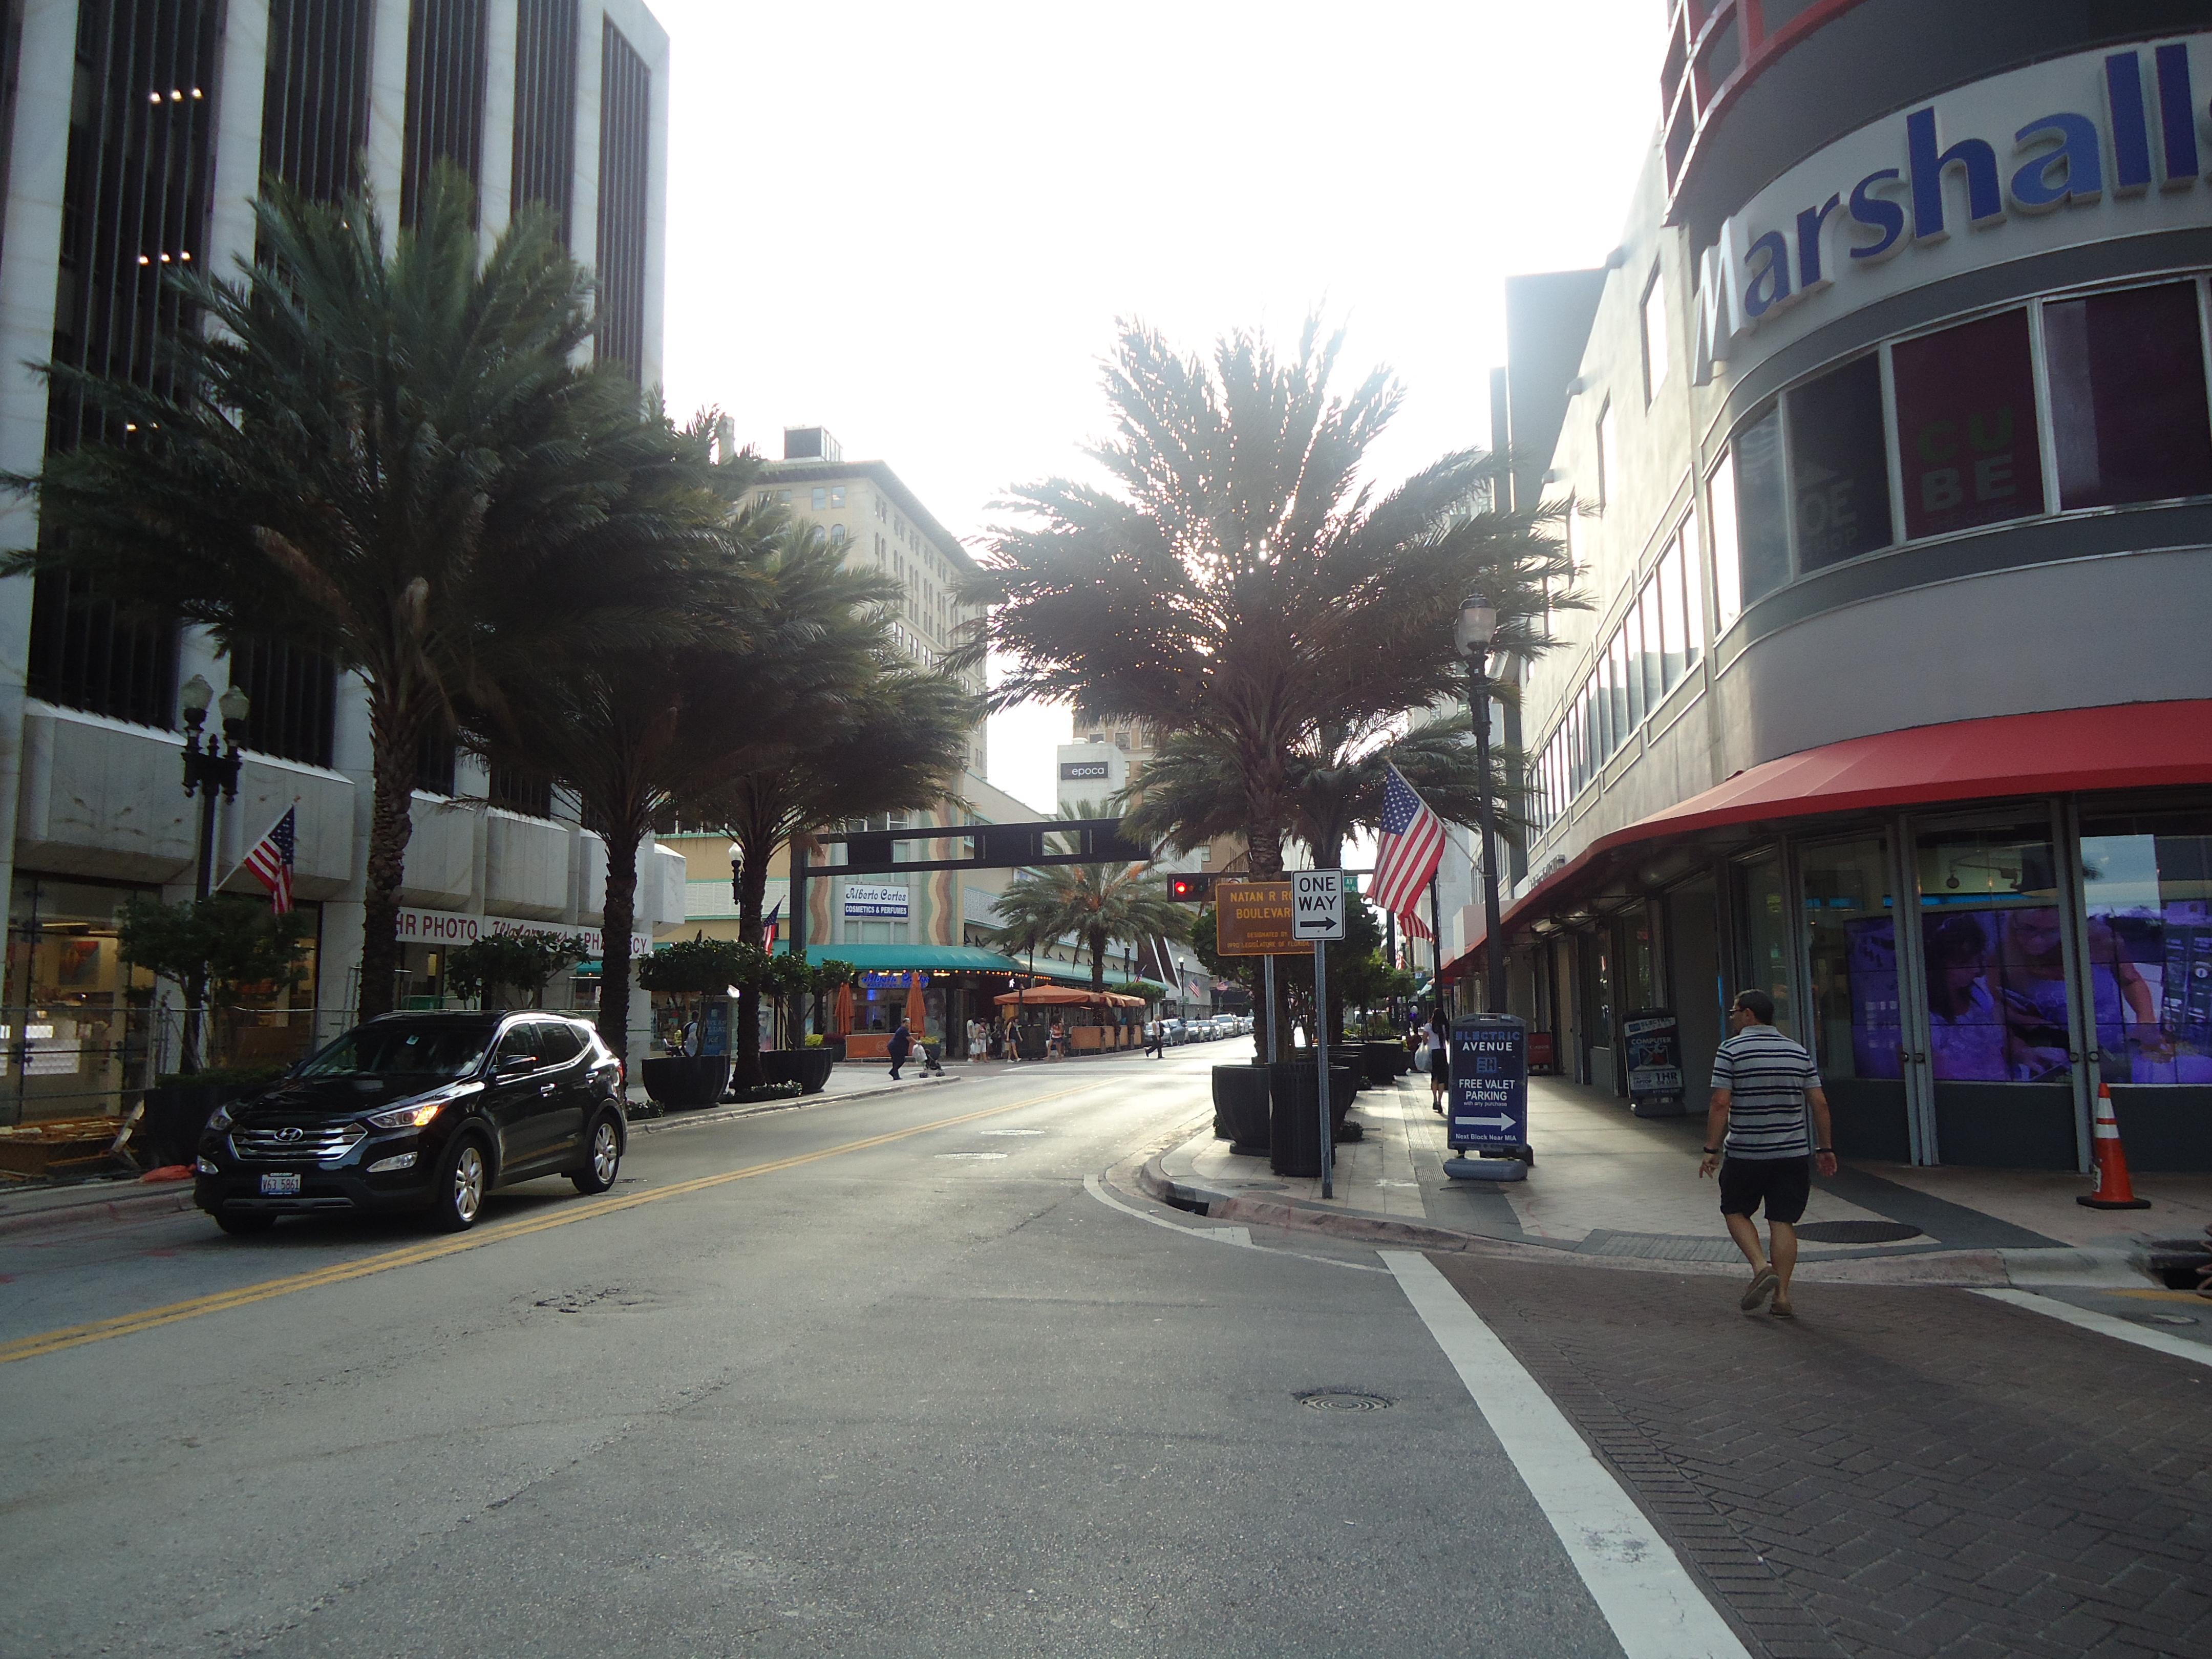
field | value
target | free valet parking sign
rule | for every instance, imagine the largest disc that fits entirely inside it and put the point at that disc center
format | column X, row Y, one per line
column 1489, row 1082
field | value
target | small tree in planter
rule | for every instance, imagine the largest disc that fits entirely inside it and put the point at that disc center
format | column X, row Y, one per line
column 211, row 947
column 519, row 962
column 697, row 969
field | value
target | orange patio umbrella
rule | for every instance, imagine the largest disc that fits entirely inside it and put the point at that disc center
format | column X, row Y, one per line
column 840, row 1015
column 917, row 1011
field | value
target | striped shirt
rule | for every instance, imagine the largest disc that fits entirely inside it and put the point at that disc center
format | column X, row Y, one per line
column 1767, row 1076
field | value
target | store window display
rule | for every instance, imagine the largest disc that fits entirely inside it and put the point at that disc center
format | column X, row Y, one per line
column 2147, row 886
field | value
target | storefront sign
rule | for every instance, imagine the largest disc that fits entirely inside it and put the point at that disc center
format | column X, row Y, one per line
column 2077, row 150
column 1253, row 918
column 1074, row 769
column 1489, row 1082
column 449, row 928
column 869, row 901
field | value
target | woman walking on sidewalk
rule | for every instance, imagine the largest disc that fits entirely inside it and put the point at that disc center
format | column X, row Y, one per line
column 1435, row 1037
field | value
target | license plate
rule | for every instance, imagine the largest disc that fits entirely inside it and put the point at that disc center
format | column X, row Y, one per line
column 280, row 1185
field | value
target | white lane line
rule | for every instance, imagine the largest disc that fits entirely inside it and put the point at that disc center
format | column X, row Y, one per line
column 977, row 1157
column 1654, row 1607
column 2105, row 1325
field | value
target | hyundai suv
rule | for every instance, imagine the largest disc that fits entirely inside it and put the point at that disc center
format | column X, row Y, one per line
column 426, row 1112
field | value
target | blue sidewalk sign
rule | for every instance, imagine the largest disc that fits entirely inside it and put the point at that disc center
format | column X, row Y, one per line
column 1489, row 1082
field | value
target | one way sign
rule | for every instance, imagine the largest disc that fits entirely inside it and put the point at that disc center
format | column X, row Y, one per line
column 1319, row 909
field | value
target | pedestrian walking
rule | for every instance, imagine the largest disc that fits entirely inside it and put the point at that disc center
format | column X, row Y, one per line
column 1156, row 1038
column 1055, row 1040
column 900, row 1046
column 1764, row 1086
column 1437, row 1036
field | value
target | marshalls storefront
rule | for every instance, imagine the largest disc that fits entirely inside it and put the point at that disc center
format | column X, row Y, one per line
column 1890, row 444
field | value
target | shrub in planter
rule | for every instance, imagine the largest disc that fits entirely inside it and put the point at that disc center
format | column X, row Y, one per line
column 803, row 1069
column 766, row 1091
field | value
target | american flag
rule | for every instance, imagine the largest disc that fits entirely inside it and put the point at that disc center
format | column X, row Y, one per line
column 1413, row 844
column 771, row 925
column 272, row 859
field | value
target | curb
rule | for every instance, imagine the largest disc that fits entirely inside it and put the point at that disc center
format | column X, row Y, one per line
column 99, row 1204
column 1940, row 1267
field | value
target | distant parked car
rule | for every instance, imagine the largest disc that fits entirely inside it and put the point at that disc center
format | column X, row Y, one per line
column 426, row 1112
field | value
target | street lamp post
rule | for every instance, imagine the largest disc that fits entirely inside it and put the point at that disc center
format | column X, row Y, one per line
column 213, row 768
column 209, row 770
column 1472, row 633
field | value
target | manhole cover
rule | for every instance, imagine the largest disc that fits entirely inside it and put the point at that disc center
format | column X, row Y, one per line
column 1343, row 1400
column 1856, row 1232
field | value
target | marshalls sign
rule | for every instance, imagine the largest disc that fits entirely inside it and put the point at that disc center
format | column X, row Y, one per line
column 1318, row 898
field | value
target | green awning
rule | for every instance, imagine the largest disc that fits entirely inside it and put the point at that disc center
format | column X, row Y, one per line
column 903, row 958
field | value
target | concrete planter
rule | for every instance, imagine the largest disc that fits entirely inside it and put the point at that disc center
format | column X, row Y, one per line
column 678, row 1081
column 1384, row 1061
column 1241, row 1096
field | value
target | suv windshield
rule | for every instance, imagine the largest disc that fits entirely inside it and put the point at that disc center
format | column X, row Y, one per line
column 414, row 1049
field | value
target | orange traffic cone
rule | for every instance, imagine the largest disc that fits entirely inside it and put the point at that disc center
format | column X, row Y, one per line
column 2113, row 1190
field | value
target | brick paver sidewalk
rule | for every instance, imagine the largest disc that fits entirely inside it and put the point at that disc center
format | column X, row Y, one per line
column 1898, row 1471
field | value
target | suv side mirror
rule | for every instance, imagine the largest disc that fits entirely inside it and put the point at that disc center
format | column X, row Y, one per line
column 510, row 1065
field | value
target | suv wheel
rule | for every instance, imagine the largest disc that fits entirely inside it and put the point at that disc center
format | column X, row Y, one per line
column 463, row 1177
column 605, row 1152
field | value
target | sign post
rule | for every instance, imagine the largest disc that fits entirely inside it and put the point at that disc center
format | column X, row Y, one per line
column 1253, row 918
column 1319, row 916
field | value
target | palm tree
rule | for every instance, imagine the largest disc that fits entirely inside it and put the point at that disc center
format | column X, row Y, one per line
column 633, row 728
column 890, row 738
column 1240, row 581
column 388, row 451
column 1094, row 903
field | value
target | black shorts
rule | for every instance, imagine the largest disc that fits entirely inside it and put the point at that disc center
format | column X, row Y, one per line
column 1781, row 1184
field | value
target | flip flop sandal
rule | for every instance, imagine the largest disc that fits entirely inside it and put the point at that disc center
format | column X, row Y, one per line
column 1763, row 1284
column 1782, row 1309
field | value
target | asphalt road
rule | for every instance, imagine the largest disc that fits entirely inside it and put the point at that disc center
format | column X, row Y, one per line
column 875, row 1377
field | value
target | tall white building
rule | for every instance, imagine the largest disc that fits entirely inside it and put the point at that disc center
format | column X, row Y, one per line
column 134, row 134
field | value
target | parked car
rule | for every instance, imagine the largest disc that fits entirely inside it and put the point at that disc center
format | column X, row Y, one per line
column 1225, row 1025
column 425, row 1112
column 1174, row 1032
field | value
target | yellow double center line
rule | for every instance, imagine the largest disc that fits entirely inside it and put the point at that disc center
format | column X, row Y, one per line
column 99, row 1330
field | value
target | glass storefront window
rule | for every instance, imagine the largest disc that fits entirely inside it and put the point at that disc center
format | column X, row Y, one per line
column 1840, row 465
column 2127, row 396
column 2147, row 886
column 1674, row 636
column 1648, row 634
column 1966, row 427
column 77, row 1024
column 1727, row 561
column 1993, row 939
column 1850, row 933
column 1626, row 709
column 1762, row 509
column 1766, row 925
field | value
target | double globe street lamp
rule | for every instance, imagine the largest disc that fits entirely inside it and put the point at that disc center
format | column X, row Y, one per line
column 1474, row 634
column 214, row 769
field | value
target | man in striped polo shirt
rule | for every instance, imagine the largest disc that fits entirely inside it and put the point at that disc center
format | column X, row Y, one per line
column 1763, row 1084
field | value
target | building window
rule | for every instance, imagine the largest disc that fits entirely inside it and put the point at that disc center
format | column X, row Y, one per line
column 516, row 789
column 1840, row 465
column 1757, row 518
column 1654, row 335
column 821, row 498
column 625, row 173
column 314, row 97
column 836, row 495
column 2146, row 878
column 783, row 498
column 1966, row 426
column 446, row 54
column 437, row 758
column 1608, row 467
column 545, row 108
column 2127, row 396
column 293, row 701
column 836, row 535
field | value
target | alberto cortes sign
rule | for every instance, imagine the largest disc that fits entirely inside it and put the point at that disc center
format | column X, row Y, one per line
column 2077, row 150
column 865, row 900
column 450, row 928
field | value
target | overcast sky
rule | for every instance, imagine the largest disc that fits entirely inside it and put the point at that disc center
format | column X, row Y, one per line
column 915, row 225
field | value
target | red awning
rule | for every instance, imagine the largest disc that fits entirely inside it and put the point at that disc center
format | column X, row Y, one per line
column 2136, row 746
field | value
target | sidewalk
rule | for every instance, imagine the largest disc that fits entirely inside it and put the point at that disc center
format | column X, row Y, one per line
column 1608, row 1184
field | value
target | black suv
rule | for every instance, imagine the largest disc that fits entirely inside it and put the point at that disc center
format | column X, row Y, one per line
column 418, row 1112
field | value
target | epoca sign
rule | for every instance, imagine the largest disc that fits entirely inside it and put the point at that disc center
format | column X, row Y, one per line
column 2077, row 150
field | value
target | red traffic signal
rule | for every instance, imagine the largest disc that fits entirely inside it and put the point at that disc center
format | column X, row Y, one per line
column 1190, row 890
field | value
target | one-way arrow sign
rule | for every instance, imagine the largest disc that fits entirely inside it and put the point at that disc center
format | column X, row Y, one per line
column 1318, row 911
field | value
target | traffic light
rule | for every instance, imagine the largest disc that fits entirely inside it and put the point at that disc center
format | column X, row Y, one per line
column 1190, row 890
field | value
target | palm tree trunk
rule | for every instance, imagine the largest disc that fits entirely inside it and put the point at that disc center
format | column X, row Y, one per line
column 617, row 917
column 1098, row 942
column 395, row 739
column 752, row 888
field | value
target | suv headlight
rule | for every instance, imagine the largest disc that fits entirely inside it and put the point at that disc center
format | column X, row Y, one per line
column 419, row 1112
column 219, row 1120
